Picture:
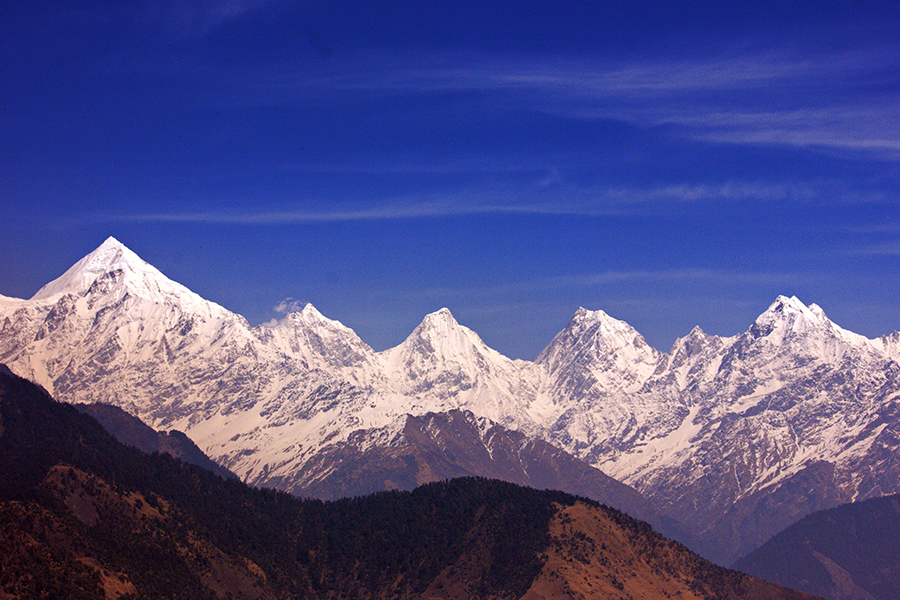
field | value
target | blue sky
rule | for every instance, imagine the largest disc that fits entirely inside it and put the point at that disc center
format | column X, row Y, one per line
column 674, row 164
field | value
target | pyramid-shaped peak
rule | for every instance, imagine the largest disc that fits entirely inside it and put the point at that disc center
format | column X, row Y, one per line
column 598, row 343
column 311, row 311
column 595, row 325
column 440, row 330
column 442, row 313
column 791, row 308
column 599, row 330
column 440, row 319
column 789, row 316
column 785, row 302
column 585, row 318
column 112, row 242
column 108, row 256
column 111, row 251
column 310, row 315
column 306, row 314
column 692, row 342
column 441, row 325
column 583, row 313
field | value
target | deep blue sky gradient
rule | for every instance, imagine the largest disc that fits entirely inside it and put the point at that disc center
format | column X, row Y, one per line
column 674, row 164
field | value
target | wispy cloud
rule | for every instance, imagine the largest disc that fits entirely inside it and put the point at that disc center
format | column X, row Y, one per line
column 541, row 195
column 794, row 98
column 325, row 212
column 891, row 248
column 283, row 217
column 876, row 228
column 289, row 305
column 198, row 17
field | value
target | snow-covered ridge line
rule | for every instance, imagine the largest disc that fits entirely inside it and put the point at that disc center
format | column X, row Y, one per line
column 736, row 414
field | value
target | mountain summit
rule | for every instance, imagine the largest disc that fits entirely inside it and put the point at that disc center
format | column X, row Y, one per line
column 444, row 366
column 111, row 256
column 595, row 348
column 439, row 343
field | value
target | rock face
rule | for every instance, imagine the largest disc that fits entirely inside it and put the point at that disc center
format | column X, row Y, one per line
column 735, row 437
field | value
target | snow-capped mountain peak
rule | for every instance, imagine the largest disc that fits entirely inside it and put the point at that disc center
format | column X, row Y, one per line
column 791, row 327
column 113, row 273
column 790, row 313
column 686, row 351
column 311, row 317
column 437, row 338
column 612, row 351
column 790, row 302
column 440, row 322
column 583, row 315
column 447, row 365
column 602, row 331
column 599, row 322
column 111, row 255
column 439, row 335
column 320, row 342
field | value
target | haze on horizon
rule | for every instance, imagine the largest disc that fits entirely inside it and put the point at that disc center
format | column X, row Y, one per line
column 673, row 166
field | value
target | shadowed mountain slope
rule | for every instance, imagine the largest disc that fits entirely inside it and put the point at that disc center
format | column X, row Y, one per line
column 851, row 552
column 440, row 446
column 131, row 431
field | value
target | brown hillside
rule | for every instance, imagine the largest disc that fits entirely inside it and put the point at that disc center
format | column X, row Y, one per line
column 595, row 553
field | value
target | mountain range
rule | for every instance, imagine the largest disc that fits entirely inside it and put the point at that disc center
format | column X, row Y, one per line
column 82, row 516
column 734, row 437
